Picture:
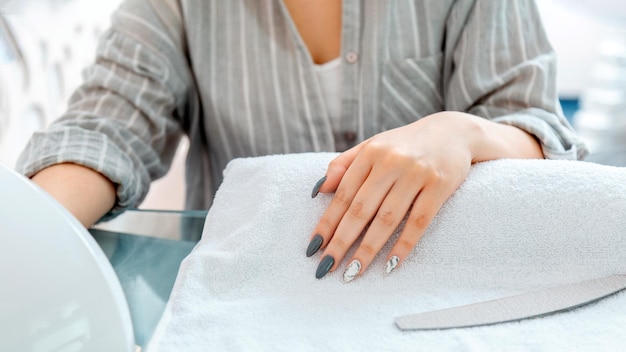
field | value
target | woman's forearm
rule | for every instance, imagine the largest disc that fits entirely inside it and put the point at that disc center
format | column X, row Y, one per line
column 87, row 194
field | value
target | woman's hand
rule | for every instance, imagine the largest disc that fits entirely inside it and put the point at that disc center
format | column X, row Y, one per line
column 415, row 169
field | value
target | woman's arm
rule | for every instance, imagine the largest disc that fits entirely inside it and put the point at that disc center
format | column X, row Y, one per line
column 500, row 66
column 87, row 194
column 124, row 120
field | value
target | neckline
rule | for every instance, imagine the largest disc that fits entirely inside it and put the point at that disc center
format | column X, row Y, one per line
column 328, row 65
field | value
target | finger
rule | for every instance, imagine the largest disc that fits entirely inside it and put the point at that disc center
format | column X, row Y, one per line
column 388, row 218
column 360, row 212
column 336, row 170
column 425, row 207
column 348, row 187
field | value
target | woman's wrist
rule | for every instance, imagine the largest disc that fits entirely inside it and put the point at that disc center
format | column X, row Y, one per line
column 488, row 140
column 507, row 142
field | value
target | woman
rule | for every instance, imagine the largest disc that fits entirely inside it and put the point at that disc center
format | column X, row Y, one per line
column 414, row 92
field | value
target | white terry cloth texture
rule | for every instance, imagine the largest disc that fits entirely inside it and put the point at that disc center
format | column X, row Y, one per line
column 512, row 226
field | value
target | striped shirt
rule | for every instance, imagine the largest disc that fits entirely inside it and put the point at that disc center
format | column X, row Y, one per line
column 238, row 80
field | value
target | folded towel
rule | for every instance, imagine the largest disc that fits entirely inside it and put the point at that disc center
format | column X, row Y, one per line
column 512, row 226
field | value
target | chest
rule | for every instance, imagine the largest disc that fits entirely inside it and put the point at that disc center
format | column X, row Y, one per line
column 319, row 26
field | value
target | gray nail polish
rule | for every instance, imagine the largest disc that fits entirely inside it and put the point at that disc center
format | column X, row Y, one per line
column 314, row 245
column 352, row 271
column 324, row 266
column 391, row 264
column 316, row 188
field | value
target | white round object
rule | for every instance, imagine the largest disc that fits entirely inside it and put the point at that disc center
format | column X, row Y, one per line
column 59, row 291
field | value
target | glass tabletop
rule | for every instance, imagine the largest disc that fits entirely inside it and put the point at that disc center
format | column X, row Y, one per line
column 145, row 249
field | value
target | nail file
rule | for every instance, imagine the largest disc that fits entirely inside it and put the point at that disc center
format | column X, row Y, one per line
column 524, row 306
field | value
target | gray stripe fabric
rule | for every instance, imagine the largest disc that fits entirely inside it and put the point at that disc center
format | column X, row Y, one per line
column 237, row 79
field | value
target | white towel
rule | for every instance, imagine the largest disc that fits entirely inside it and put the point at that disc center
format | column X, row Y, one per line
column 513, row 226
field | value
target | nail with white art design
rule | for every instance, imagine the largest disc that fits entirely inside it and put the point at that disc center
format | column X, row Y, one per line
column 352, row 271
column 391, row 264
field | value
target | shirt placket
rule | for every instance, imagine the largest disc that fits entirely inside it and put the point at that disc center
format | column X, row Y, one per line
column 350, row 51
column 322, row 137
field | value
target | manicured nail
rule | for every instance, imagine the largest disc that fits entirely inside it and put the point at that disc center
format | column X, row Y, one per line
column 324, row 266
column 316, row 188
column 352, row 271
column 392, row 264
column 314, row 245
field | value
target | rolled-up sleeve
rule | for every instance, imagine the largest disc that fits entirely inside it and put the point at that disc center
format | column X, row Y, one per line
column 123, row 120
column 503, row 68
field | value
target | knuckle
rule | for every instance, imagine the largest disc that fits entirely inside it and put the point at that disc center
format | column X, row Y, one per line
column 325, row 226
column 421, row 165
column 426, row 169
column 335, row 164
column 387, row 218
column 432, row 174
column 341, row 197
column 436, row 176
column 367, row 250
column 374, row 148
column 415, row 171
column 340, row 244
column 405, row 245
column 357, row 210
column 419, row 222
column 390, row 161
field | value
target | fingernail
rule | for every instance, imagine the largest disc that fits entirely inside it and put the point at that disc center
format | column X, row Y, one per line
column 352, row 271
column 391, row 264
column 324, row 266
column 316, row 188
column 314, row 245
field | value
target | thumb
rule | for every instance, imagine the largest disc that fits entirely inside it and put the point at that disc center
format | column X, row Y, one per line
column 336, row 169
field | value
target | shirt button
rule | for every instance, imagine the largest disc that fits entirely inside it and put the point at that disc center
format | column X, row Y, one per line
column 349, row 136
column 352, row 57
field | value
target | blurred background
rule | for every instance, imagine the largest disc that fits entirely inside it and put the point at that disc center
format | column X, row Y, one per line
column 45, row 44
